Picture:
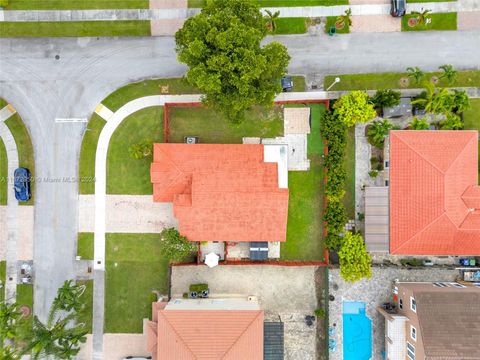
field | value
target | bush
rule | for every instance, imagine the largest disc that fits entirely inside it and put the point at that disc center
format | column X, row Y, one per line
column 419, row 124
column 174, row 246
column 376, row 163
column 411, row 262
column 452, row 122
column 355, row 262
column 373, row 173
column 336, row 217
column 354, row 108
column 3, row 3
column 320, row 313
column 386, row 98
column 198, row 287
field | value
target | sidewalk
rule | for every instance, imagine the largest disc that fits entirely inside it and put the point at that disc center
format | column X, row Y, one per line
column 183, row 13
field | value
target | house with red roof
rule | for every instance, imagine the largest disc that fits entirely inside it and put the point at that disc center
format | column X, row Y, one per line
column 433, row 194
column 224, row 193
column 227, row 329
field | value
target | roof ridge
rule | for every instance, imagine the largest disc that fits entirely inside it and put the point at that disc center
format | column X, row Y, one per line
column 178, row 335
column 421, row 231
column 259, row 312
column 419, row 154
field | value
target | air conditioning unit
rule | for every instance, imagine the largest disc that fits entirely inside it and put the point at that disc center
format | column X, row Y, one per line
column 191, row 140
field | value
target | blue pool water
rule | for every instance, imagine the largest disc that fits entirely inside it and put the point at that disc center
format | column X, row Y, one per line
column 357, row 332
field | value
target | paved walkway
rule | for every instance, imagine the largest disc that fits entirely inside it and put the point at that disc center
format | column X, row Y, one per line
column 183, row 13
column 12, row 207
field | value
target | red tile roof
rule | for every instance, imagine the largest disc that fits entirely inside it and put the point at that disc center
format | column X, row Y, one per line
column 221, row 192
column 434, row 193
column 206, row 334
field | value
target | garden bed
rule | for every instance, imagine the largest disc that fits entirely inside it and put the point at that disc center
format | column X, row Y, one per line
column 332, row 22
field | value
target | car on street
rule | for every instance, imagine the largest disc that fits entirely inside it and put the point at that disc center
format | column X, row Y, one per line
column 21, row 184
column 287, row 83
column 398, row 8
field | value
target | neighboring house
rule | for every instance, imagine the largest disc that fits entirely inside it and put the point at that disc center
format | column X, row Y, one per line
column 224, row 193
column 433, row 321
column 432, row 203
column 228, row 329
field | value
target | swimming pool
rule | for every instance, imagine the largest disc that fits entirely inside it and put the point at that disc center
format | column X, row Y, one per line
column 357, row 332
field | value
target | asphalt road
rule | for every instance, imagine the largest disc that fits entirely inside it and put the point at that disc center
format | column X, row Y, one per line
column 43, row 88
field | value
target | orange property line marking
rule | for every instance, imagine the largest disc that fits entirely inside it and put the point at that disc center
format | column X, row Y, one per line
column 277, row 263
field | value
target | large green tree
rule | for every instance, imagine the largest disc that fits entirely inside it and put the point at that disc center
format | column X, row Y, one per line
column 355, row 262
column 222, row 48
column 353, row 108
column 174, row 246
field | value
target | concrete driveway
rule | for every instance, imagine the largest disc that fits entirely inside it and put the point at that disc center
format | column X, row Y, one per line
column 116, row 346
column 285, row 292
column 24, row 233
column 127, row 214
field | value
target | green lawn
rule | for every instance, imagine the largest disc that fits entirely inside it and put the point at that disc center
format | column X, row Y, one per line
column 3, row 174
column 75, row 28
column 25, row 295
column 85, row 245
column 299, row 83
column 86, row 315
column 134, row 269
column 86, row 167
column 3, row 278
column 472, row 121
column 126, row 175
column 133, row 91
column 25, row 149
column 283, row 3
column 331, row 23
column 391, row 80
column 290, row 26
column 349, row 199
column 77, row 4
column 440, row 21
column 423, row 1
column 212, row 127
column 305, row 204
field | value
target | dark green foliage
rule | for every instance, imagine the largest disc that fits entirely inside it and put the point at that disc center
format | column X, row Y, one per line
column 198, row 287
column 377, row 131
column 174, row 246
column 411, row 262
column 335, row 216
column 386, row 98
column 222, row 48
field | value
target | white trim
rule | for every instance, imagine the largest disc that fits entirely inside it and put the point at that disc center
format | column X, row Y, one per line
column 412, row 300
column 413, row 333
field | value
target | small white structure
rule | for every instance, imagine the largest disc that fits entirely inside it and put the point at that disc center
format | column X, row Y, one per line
column 211, row 260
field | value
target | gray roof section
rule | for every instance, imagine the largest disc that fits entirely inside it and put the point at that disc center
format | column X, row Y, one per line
column 376, row 219
column 273, row 341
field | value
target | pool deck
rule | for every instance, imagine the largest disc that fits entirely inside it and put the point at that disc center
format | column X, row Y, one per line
column 374, row 292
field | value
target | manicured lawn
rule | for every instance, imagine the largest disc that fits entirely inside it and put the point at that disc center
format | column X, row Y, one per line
column 472, row 120
column 299, row 83
column 331, row 23
column 85, row 245
column 86, row 315
column 283, row 3
column 134, row 269
column 212, row 127
column 136, row 90
column 3, row 174
column 25, row 149
column 391, row 80
column 25, row 295
column 305, row 204
column 75, row 28
column 290, row 26
column 78, row 4
column 133, row 91
column 349, row 199
column 126, row 175
column 440, row 21
column 3, row 278
column 86, row 165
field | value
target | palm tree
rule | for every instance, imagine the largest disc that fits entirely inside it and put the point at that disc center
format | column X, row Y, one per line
column 141, row 150
column 12, row 328
column 435, row 100
column 418, row 124
column 377, row 131
column 461, row 101
column 272, row 17
column 346, row 17
column 68, row 296
column 449, row 73
column 386, row 98
column 416, row 74
column 422, row 17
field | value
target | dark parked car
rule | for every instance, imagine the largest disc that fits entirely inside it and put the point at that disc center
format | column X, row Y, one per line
column 22, row 184
column 398, row 8
column 287, row 83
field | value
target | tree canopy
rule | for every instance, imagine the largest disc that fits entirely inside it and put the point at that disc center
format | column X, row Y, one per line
column 174, row 246
column 353, row 108
column 222, row 48
column 355, row 262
